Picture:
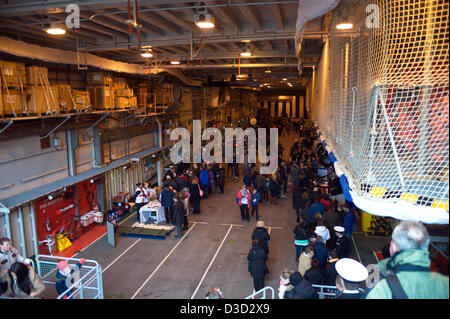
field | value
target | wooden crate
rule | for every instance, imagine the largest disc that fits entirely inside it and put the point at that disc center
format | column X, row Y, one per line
column 123, row 102
column 37, row 75
column 123, row 92
column 81, row 99
column 99, row 78
column 13, row 73
column 65, row 97
column 120, row 83
column 42, row 100
column 101, row 97
column 11, row 102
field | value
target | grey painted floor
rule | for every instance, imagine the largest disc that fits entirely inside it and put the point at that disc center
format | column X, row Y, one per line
column 212, row 252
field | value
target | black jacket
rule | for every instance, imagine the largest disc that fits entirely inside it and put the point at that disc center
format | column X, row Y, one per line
column 257, row 262
column 301, row 233
column 178, row 213
column 330, row 274
column 314, row 276
column 331, row 219
column 342, row 247
column 304, row 290
column 220, row 176
column 181, row 183
column 263, row 236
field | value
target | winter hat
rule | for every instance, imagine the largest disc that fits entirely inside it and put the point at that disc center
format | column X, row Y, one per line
column 62, row 265
column 260, row 223
column 295, row 278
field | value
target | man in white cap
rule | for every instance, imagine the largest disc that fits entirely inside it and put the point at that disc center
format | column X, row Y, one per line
column 342, row 243
column 351, row 277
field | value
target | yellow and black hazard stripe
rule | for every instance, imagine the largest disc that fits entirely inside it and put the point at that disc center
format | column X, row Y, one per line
column 384, row 193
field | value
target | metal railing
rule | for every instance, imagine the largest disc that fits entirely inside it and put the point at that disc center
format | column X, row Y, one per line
column 87, row 280
column 325, row 292
column 263, row 292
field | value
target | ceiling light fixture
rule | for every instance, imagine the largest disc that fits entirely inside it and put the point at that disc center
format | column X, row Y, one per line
column 203, row 19
column 284, row 79
column 246, row 49
column 268, row 71
column 55, row 30
column 344, row 26
column 289, row 84
column 175, row 62
column 146, row 52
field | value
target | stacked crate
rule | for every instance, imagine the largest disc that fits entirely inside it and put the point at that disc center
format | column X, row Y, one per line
column 41, row 97
column 124, row 96
column 101, row 91
column 12, row 95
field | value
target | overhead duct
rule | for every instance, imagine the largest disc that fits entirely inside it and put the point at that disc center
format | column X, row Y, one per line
column 32, row 51
column 309, row 10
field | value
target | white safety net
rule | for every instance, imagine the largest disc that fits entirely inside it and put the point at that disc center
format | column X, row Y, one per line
column 380, row 98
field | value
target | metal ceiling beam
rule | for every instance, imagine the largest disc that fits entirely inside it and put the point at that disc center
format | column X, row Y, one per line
column 105, row 22
column 216, row 39
column 148, row 28
column 276, row 14
column 176, row 20
column 159, row 22
column 226, row 17
column 59, row 5
column 225, row 55
column 269, row 45
column 251, row 17
column 95, row 27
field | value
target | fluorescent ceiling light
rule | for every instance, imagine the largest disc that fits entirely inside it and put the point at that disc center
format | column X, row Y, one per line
column 246, row 53
column 174, row 62
column 289, row 84
column 344, row 26
column 284, row 79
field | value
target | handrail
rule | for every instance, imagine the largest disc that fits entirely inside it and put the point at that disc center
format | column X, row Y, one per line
column 263, row 291
column 322, row 293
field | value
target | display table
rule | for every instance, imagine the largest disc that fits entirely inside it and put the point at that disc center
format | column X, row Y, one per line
column 150, row 210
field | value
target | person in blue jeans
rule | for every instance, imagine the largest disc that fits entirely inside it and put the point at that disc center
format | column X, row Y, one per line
column 256, row 199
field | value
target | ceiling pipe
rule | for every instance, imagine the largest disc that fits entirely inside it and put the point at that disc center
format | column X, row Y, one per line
column 36, row 6
column 230, row 66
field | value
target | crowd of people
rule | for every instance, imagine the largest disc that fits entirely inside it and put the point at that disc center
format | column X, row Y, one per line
column 322, row 234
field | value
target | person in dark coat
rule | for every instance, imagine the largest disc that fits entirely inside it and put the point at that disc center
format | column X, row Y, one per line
column 220, row 177
column 321, row 252
column 181, row 182
column 261, row 233
column 169, row 182
column 178, row 214
column 194, row 190
column 314, row 274
column 257, row 264
column 342, row 243
column 298, row 201
column 299, row 288
column 301, row 239
column 166, row 198
column 331, row 219
column 330, row 274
